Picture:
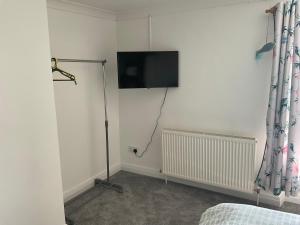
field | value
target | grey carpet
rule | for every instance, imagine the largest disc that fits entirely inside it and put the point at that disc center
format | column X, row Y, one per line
column 148, row 201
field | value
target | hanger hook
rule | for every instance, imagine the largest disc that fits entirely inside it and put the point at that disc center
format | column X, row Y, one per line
column 55, row 62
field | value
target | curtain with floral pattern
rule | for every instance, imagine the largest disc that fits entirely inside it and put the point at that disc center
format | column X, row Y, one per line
column 280, row 167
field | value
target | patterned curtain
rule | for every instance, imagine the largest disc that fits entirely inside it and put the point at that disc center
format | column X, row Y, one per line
column 280, row 167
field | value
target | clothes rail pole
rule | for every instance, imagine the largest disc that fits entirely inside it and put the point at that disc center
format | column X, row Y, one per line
column 82, row 60
column 106, row 183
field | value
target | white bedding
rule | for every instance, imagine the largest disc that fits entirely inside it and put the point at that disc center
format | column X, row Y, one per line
column 236, row 214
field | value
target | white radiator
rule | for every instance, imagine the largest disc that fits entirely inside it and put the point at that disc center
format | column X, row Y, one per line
column 218, row 160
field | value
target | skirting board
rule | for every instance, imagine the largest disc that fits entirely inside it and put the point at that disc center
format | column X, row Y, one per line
column 291, row 199
column 265, row 197
column 89, row 183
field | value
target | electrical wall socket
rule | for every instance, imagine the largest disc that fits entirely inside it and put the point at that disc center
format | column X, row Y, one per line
column 132, row 148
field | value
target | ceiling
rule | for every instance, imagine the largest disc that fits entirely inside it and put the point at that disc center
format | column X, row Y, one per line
column 125, row 6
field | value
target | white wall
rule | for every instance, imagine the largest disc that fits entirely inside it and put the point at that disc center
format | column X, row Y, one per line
column 80, row 109
column 222, row 88
column 31, row 187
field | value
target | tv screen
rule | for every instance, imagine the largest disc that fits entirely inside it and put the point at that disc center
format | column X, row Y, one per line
column 153, row 69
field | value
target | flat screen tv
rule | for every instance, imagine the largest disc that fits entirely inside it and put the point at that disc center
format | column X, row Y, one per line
column 153, row 69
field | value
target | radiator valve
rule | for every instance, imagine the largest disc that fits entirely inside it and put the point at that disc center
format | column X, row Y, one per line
column 257, row 190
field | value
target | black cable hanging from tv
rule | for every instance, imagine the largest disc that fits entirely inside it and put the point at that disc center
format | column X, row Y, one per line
column 155, row 127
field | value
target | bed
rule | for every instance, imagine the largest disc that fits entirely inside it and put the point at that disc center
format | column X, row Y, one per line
column 237, row 214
